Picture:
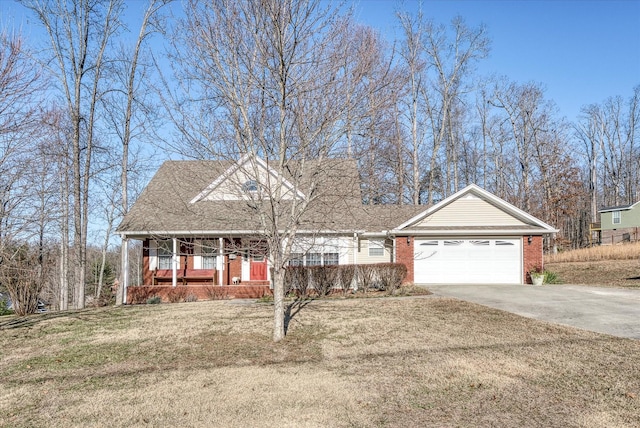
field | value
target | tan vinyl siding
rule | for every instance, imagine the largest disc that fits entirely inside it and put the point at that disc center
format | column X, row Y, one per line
column 363, row 253
column 231, row 188
column 469, row 211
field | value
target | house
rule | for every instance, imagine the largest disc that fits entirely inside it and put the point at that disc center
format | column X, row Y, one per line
column 620, row 224
column 200, row 224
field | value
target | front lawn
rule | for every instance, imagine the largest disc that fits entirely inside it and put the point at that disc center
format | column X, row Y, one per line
column 414, row 361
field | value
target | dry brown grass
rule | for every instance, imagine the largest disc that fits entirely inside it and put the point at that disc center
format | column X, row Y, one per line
column 605, row 273
column 630, row 251
column 606, row 266
column 417, row 361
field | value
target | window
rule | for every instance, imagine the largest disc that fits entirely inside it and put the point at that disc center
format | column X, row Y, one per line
column 480, row 243
column 297, row 259
column 504, row 243
column 616, row 215
column 208, row 251
column 250, row 186
column 314, row 259
column 165, row 252
column 331, row 259
column 429, row 243
column 452, row 243
column 376, row 247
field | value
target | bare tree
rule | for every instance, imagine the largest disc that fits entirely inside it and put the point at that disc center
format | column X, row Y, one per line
column 128, row 107
column 452, row 57
column 609, row 133
column 266, row 78
column 79, row 34
column 413, row 55
column 25, row 181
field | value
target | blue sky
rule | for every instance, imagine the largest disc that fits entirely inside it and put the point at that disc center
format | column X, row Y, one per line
column 583, row 51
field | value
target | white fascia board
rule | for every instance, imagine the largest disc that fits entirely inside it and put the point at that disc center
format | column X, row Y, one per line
column 472, row 232
column 233, row 168
column 224, row 233
column 506, row 206
column 381, row 234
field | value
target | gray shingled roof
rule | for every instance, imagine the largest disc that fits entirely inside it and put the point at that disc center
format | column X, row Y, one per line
column 617, row 208
column 165, row 204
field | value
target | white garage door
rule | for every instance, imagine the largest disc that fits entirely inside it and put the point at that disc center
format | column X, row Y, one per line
column 467, row 261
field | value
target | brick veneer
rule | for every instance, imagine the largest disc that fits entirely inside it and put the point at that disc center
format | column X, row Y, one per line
column 140, row 294
column 532, row 255
column 404, row 255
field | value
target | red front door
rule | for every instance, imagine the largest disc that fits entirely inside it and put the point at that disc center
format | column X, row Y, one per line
column 258, row 268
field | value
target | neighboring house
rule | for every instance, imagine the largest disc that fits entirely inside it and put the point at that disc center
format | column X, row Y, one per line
column 198, row 222
column 620, row 224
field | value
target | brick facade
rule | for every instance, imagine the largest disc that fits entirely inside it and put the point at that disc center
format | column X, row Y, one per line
column 140, row 294
column 404, row 255
column 532, row 255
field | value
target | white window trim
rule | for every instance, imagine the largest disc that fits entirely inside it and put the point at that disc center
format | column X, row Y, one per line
column 323, row 259
column 153, row 254
column 198, row 257
column 616, row 217
column 169, row 256
column 376, row 244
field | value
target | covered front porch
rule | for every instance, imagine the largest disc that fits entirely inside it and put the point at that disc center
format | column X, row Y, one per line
column 200, row 267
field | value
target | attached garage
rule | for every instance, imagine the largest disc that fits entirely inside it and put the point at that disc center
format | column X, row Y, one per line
column 468, row 261
column 471, row 237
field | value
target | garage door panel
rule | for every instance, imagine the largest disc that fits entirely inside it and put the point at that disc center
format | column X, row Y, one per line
column 458, row 261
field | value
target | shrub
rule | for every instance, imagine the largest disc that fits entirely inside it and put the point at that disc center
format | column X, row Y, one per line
column 296, row 279
column 215, row 292
column 4, row 310
column 346, row 274
column 177, row 294
column 366, row 277
column 140, row 294
column 391, row 275
column 154, row 300
column 191, row 298
column 22, row 272
column 323, row 279
column 551, row 277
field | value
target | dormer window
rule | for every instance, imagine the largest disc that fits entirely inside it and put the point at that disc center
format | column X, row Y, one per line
column 250, row 186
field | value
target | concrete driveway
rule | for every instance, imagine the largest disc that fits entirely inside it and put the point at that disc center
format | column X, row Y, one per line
column 611, row 311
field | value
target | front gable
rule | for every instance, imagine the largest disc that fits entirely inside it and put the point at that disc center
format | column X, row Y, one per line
column 469, row 210
column 475, row 209
column 249, row 178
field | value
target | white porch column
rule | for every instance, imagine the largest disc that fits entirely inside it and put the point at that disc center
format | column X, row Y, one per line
column 221, row 258
column 174, row 258
column 354, row 281
column 355, row 248
column 121, row 297
column 395, row 250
